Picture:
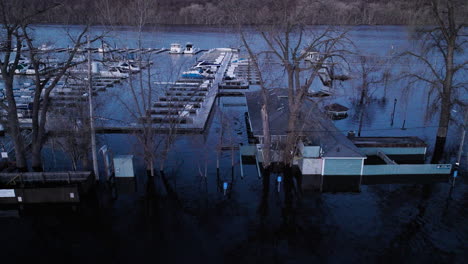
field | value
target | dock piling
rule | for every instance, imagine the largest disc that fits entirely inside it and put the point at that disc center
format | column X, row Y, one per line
column 393, row 112
column 240, row 163
column 279, row 179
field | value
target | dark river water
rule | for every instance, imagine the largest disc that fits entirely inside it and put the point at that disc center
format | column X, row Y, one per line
column 183, row 217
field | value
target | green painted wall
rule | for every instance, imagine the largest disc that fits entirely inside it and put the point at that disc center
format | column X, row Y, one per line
column 406, row 169
column 342, row 167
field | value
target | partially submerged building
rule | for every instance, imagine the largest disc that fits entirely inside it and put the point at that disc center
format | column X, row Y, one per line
column 326, row 156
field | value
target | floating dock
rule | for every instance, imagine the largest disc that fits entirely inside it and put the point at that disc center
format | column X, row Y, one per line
column 186, row 104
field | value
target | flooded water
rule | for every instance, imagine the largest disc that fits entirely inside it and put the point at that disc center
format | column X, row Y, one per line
column 185, row 217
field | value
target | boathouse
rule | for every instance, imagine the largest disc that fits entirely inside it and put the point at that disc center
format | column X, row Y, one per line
column 321, row 148
column 329, row 160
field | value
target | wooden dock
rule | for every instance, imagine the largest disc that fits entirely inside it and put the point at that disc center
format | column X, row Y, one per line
column 44, row 187
column 186, row 104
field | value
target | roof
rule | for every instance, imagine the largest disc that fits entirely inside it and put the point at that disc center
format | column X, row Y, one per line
column 382, row 142
column 336, row 108
column 315, row 125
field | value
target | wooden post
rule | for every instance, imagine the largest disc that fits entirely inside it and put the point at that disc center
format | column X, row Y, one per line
column 462, row 142
column 393, row 112
column 321, row 183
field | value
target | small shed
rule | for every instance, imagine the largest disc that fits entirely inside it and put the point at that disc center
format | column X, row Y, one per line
column 123, row 166
column 336, row 111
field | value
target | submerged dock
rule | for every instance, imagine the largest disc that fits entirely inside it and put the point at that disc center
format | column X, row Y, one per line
column 44, row 187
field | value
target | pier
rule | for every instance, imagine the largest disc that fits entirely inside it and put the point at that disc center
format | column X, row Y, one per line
column 186, row 104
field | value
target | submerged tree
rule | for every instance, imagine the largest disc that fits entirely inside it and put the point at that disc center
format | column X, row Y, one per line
column 155, row 135
column 19, row 43
column 369, row 71
column 442, row 47
column 290, row 41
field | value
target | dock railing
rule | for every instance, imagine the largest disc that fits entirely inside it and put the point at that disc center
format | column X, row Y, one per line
column 44, row 177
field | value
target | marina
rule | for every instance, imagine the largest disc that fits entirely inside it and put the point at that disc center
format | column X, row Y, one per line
column 379, row 185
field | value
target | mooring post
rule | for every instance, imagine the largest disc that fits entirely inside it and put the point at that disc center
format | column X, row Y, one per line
column 279, row 179
column 258, row 166
column 232, row 155
column 232, row 174
column 455, row 174
column 321, row 183
column 240, row 162
column 393, row 112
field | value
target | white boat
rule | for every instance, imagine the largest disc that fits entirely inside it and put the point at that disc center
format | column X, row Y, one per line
column 46, row 47
column 176, row 48
column 104, row 48
column 21, row 68
column 24, row 47
column 127, row 66
column 313, row 57
column 31, row 71
column 189, row 49
column 193, row 74
column 114, row 72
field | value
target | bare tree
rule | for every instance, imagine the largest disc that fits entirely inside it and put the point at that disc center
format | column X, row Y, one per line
column 445, row 42
column 370, row 74
column 46, row 76
column 290, row 40
column 14, row 15
column 45, row 80
column 155, row 136
column 73, row 135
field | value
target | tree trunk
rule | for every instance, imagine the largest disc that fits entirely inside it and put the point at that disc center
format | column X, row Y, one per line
column 361, row 119
column 446, row 105
column 266, row 137
column 36, row 153
column 291, row 137
column 14, row 128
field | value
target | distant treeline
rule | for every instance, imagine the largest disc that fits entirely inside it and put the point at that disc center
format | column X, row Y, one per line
column 221, row 12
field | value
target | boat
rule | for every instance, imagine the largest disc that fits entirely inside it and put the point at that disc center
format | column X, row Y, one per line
column 193, row 74
column 176, row 48
column 114, row 72
column 189, row 49
column 46, row 47
column 313, row 57
column 127, row 66
column 230, row 83
column 104, row 48
column 31, row 71
column 21, row 68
